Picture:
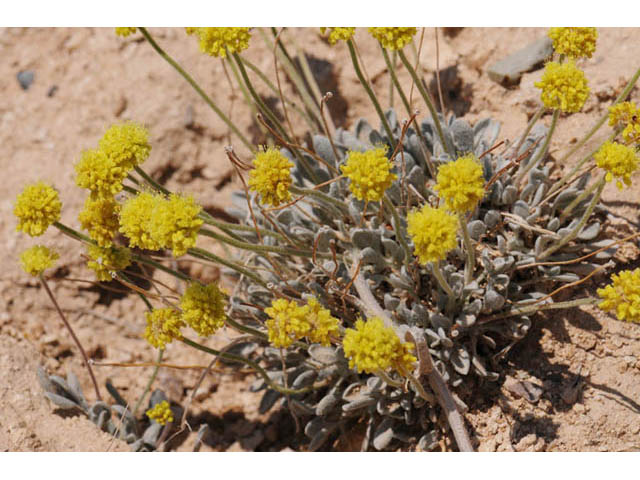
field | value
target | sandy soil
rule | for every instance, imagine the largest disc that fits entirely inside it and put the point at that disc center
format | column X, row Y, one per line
column 587, row 363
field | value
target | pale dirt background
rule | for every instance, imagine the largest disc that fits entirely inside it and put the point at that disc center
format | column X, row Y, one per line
column 100, row 78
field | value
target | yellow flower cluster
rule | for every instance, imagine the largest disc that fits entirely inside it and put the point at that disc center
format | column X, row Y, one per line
column 125, row 31
column 338, row 33
column 103, row 170
column 36, row 260
column 623, row 296
column 393, row 38
column 461, row 184
column 161, row 413
column 203, row 308
column 100, row 218
column 154, row 222
column 271, row 177
column 216, row 41
column 564, row 86
column 289, row 322
column 163, row 326
column 37, row 207
column 373, row 347
column 574, row 42
column 628, row 115
column 369, row 172
column 618, row 160
column 433, row 232
column 105, row 261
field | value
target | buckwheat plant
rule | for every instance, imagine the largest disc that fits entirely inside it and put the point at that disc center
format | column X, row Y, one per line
column 378, row 270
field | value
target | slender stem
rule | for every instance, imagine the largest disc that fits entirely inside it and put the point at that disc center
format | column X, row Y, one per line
column 203, row 254
column 320, row 196
column 543, row 150
column 250, row 363
column 196, row 87
column 576, row 201
column 451, row 298
column 152, row 379
column 524, row 310
column 372, row 96
column 152, row 263
column 208, row 219
column 85, row 358
column 397, row 227
column 470, row 266
column 427, row 99
column 530, row 125
column 147, row 178
column 245, row 329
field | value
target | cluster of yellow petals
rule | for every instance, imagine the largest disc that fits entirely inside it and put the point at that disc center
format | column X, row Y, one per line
column 564, row 86
column 100, row 218
column 161, row 413
column 36, row 260
column 393, row 38
column 216, row 41
column 369, row 172
column 373, row 347
column 203, row 308
column 125, row 31
column 461, row 184
column 433, row 232
column 626, row 115
column 37, row 207
column 574, row 42
column 271, row 177
column 289, row 322
column 163, row 326
column 105, row 261
column 623, row 296
column 338, row 33
column 619, row 161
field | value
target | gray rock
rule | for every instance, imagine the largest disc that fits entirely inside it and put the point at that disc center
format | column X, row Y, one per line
column 509, row 70
column 25, row 78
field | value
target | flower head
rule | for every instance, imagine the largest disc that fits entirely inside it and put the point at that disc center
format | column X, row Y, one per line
column 618, row 160
column 161, row 413
column 574, row 42
column 136, row 217
column 623, row 295
column 36, row 260
column 203, row 308
column 372, row 346
column 105, row 261
column 564, row 86
column 369, row 172
column 623, row 114
column 323, row 324
column 287, row 322
column 163, row 326
column 461, row 184
column 271, row 177
column 127, row 144
column 338, row 33
column 215, row 41
column 100, row 218
column 631, row 133
column 175, row 223
column 125, row 31
column 433, row 232
column 393, row 38
column 37, row 207
column 99, row 173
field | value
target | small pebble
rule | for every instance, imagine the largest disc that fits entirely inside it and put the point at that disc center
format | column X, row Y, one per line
column 25, row 78
column 52, row 91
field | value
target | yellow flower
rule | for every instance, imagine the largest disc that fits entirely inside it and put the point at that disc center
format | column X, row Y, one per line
column 105, row 261
column 271, row 177
column 175, row 223
column 623, row 114
column 99, row 173
column 287, row 322
column 623, row 296
column 631, row 132
column 372, row 346
column 618, row 160
column 125, row 31
column 461, row 184
column 100, row 219
column 161, row 413
column 338, row 33
column 37, row 207
column 163, row 326
column 369, row 172
column 433, row 232
column 323, row 325
column 574, row 42
column 135, row 220
column 36, row 260
column 203, row 308
column 215, row 41
column 127, row 144
column 564, row 86
column 393, row 38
